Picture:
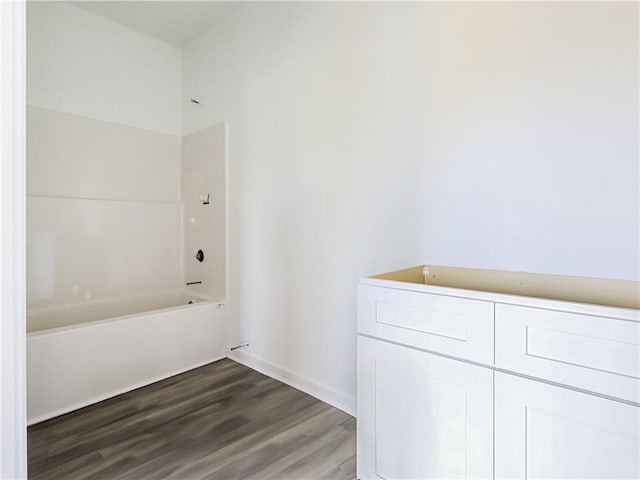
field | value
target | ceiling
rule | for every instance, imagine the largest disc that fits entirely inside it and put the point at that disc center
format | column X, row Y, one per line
column 177, row 22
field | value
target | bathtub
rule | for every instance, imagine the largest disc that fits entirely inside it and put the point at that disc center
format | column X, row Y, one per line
column 81, row 354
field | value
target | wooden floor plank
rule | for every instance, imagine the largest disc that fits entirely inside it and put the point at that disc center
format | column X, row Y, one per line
column 344, row 471
column 282, row 450
column 221, row 421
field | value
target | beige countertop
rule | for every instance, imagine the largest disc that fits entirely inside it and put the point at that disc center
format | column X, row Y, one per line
column 598, row 291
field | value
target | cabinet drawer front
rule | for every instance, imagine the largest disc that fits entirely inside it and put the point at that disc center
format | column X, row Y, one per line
column 593, row 353
column 450, row 325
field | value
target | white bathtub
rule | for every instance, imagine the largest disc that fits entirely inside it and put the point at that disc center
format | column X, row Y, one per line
column 81, row 354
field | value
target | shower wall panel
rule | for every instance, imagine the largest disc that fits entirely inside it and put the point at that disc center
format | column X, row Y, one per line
column 103, row 212
column 203, row 187
column 74, row 156
column 82, row 250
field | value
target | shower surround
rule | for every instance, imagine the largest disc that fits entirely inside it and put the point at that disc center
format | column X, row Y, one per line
column 115, row 296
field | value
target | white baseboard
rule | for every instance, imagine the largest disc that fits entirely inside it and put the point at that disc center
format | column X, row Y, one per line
column 299, row 382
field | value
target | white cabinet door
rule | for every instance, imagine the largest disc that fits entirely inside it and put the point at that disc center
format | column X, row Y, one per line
column 422, row 416
column 544, row 432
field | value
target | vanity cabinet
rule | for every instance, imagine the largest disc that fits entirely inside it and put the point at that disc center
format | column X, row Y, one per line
column 479, row 374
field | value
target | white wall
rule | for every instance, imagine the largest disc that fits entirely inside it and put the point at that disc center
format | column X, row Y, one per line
column 320, row 175
column 530, row 121
column 103, row 159
column 365, row 137
column 82, row 64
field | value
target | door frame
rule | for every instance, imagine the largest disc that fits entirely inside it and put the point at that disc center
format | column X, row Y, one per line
column 13, row 418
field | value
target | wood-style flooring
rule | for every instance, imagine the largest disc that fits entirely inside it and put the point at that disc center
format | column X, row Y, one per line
column 221, row 421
